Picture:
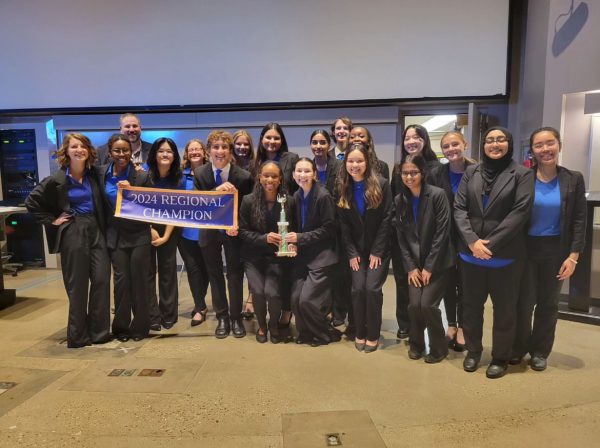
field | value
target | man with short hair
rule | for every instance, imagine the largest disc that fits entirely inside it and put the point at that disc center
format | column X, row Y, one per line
column 131, row 127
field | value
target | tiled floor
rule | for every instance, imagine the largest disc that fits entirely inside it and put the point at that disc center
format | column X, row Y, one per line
column 238, row 393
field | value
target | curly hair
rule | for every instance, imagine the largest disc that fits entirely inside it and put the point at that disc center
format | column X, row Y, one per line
column 260, row 204
column 185, row 163
column 63, row 159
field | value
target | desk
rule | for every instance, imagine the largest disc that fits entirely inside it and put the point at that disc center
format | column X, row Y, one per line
column 579, row 306
column 7, row 296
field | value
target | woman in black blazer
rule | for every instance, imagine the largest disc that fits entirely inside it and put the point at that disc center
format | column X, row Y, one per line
column 365, row 212
column 362, row 135
column 415, row 140
column 556, row 237
column 259, row 214
column 448, row 178
column 491, row 209
column 128, row 244
column 423, row 225
column 314, row 213
column 328, row 167
column 70, row 206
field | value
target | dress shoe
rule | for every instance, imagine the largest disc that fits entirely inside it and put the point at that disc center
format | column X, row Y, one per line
column 496, row 369
column 237, row 328
column 335, row 335
column 317, row 342
column 223, row 328
column 196, row 322
column 538, row 363
column 138, row 338
column 301, row 339
column 402, row 333
column 515, row 361
column 433, row 359
column 414, row 354
column 262, row 338
column 155, row 327
column 371, row 348
column 275, row 338
column 471, row 362
column 360, row 346
column 122, row 338
column 168, row 325
column 337, row 322
column 78, row 345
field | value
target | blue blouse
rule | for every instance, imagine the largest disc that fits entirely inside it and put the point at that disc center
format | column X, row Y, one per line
column 110, row 184
column 358, row 193
column 545, row 214
column 304, row 205
column 415, row 207
column 455, row 179
column 189, row 233
column 81, row 201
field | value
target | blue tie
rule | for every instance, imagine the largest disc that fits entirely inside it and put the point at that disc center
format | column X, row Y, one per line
column 218, row 178
column 340, row 156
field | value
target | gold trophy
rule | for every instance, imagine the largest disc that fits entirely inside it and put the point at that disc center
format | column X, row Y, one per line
column 284, row 250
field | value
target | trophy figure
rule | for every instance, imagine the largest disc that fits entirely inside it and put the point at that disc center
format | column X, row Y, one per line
column 283, row 230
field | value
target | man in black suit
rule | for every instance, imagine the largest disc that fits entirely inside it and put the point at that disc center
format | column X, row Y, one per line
column 222, row 175
column 130, row 126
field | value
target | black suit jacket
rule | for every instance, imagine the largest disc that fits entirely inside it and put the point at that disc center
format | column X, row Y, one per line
column 204, row 180
column 363, row 236
column 316, row 240
column 425, row 244
column 120, row 232
column 50, row 198
column 504, row 219
column 333, row 168
column 382, row 168
column 104, row 156
column 287, row 161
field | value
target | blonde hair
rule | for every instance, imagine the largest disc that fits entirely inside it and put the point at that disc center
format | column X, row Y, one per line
column 185, row 162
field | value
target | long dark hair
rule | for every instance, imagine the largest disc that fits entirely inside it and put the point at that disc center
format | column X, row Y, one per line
column 373, row 192
column 405, row 194
column 175, row 172
column 261, row 152
column 259, row 206
column 427, row 152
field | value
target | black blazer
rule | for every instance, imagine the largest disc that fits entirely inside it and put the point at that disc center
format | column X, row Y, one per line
column 254, row 241
column 333, row 169
column 316, row 241
column 382, row 167
column 120, row 232
column 287, row 160
column 505, row 217
column 50, row 198
column 425, row 245
column 104, row 156
column 362, row 237
column 204, row 180
column 573, row 211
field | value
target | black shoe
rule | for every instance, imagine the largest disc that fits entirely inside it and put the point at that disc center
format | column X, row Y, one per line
column 275, row 338
column 300, row 339
column 78, row 345
column 202, row 319
column 168, row 325
column 237, row 328
column 496, row 369
column 402, row 333
column 155, row 327
column 538, row 363
column 414, row 354
column 337, row 322
column 223, row 328
column 262, row 338
column 471, row 362
column 515, row 361
column 433, row 359
column 371, row 348
column 335, row 335
column 360, row 346
column 122, row 338
column 138, row 338
column 317, row 342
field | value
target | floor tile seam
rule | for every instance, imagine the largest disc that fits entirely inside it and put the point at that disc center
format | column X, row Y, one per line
column 39, row 282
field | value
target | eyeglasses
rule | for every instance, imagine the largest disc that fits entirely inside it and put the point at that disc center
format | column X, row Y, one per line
column 501, row 139
column 410, row 173
column 549, row 144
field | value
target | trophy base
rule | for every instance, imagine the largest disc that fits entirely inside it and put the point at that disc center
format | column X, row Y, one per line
column 287, row 253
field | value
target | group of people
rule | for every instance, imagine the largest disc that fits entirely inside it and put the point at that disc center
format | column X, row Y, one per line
column 458, row 231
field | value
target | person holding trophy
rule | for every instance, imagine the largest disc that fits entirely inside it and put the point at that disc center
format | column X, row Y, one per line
column 263, row 223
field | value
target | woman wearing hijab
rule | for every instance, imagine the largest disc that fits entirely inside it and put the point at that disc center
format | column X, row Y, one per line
column 491, row 208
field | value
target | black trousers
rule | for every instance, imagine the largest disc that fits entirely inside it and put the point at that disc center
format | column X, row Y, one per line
column 453, row 297
column 130, row 268
column 424, row 311
column 502, row 284
column 197, row 274
column 540, row 289
column 341, row 291
column 367, row 298
column 401, row 279
column 287, row 269
column 164, row 260
column 235, row 275
column 311, row 301
column 264, row 282
column 86, row 274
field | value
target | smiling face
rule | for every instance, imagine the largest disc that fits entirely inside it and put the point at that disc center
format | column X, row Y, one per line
column 411, row 175
column 356, row 165
column 77, row 152
column 413, row 142
column 130, row 126
column 495, row 144
column 453, row 147
column 241, row 146
column 164, row 156
column 545, row 147
column 271, row 141
column 195, row 154
column 304, row 174
column 360, row 135
column 341, row 131
column 120, row 152
column 270, row 178
column 220, row 154
column 319, row 145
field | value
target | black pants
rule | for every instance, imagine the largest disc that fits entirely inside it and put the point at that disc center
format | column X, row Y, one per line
column 401, row 279
column 540, row 290
column 264, row 282
column 453, row 297
column 502, row 284
column 367, row 298
column 197, row 274
column 86, row 274
column 311, row 301
column 424, row 311
column 341, row 291
column 235, row 275
column 165, row 259
column 130, row 268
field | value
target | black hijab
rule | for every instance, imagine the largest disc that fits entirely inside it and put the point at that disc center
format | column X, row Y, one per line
column 491, row 168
